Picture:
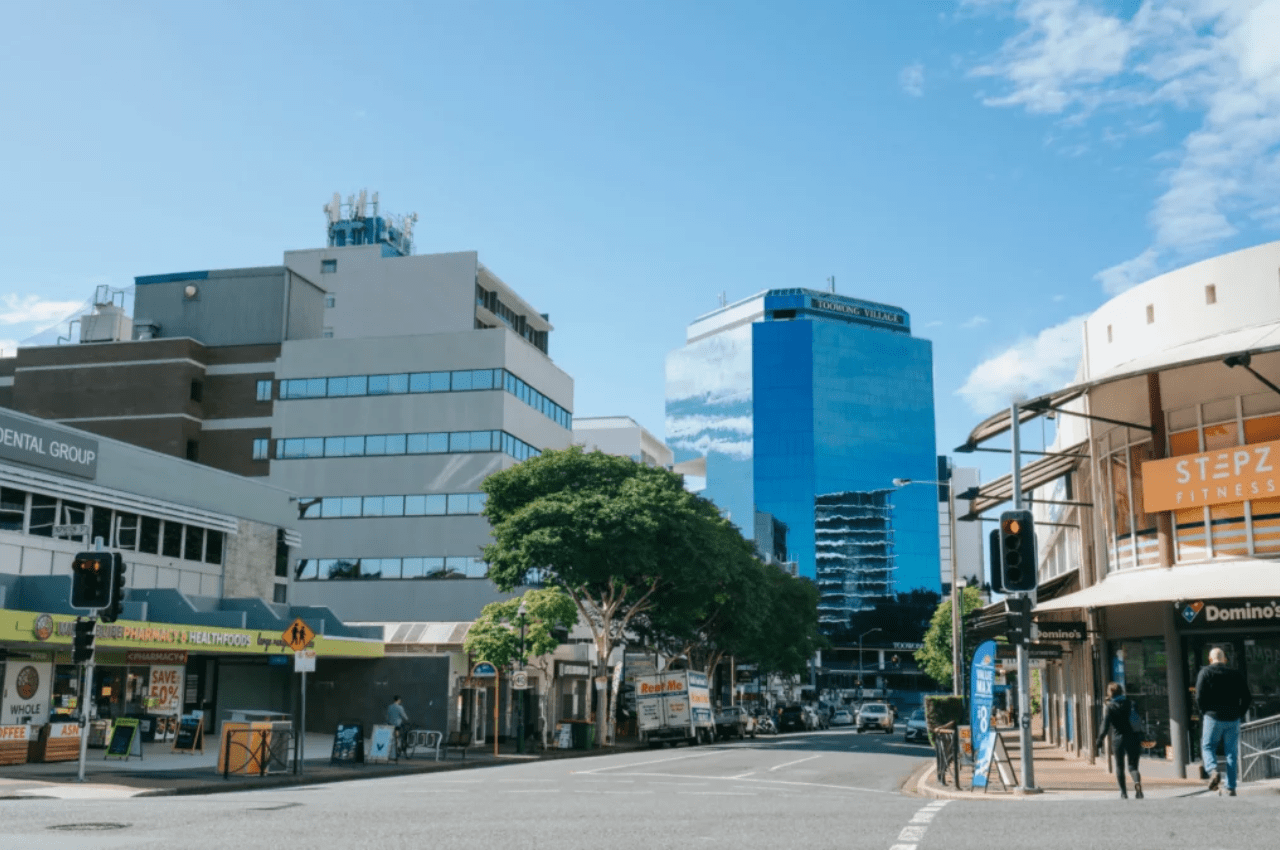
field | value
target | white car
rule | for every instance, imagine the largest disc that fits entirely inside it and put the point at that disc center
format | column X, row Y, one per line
column 841, row 717
column 875, row 715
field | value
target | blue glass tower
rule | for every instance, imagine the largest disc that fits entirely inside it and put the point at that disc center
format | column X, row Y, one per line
column 806, row 405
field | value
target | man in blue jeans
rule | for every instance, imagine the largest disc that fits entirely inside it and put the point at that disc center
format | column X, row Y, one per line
column 1222, row 695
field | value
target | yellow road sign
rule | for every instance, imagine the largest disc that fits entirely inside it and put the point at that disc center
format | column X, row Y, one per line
column 298, row 635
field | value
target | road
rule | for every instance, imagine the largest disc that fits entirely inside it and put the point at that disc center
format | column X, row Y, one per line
column 833, row 789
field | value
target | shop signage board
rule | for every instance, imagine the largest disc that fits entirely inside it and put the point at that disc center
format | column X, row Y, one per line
column 164, row 691
column 981, row 703
column 68, row 531
column 26, row 691
column 348, row 744
column 190, row 735
column 1073, row 632
column 1035, row 652
column 124, row 638
column 380, row 743
column 124, row 740
column 483, row 670
column 47, row 448
column 1227, row 613
column 1212, row 478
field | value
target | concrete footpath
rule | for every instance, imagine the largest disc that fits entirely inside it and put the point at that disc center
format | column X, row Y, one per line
column 163, row 772
column 1060, row 774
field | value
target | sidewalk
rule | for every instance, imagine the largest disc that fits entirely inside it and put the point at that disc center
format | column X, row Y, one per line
column 162, row 772
column 1060, row 774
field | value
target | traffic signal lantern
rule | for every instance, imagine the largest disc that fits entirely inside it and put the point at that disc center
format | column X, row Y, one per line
column 112, row 612
column 1017, row 552
column 91, row 580
column 997, row 563
column 82, row 643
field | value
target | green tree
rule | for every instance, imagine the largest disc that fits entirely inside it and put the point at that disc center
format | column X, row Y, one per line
column 934, row 658
column 617, row 536
column 495, row 635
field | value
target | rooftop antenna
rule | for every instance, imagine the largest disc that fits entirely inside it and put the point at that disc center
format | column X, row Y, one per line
column 831, row 281
column 358, row 213
column 334, row 209
column 375, row 204
column 723, row 300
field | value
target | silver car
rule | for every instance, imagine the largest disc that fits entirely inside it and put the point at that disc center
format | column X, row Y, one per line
column 875, row 715
column 917, row 727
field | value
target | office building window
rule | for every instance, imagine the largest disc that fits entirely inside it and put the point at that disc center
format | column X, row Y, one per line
column 264, row 390
column 328, row 266
column 374, row 445
column 415, row 567
column 279, row 593
column 458, row 380
column 193, row 450
column 197, row 391
column 330, row 300
column 13, row 509
column 260, row 448
column 351, row 507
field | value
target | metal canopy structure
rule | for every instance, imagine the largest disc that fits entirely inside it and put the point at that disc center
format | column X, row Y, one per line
column 1035, row 474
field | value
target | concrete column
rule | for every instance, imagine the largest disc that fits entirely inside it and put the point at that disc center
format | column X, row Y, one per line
column 1174, row 674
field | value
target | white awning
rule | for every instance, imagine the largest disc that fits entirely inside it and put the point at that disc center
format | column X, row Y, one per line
column 1226, row 578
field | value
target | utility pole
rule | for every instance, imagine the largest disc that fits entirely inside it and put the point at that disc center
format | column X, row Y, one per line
column 1024, row 659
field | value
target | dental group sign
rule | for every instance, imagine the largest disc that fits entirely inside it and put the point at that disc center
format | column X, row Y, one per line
column 48, row 448
column 1212, row 478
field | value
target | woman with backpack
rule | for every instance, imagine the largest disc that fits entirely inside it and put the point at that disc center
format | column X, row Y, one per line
column 1120, row 718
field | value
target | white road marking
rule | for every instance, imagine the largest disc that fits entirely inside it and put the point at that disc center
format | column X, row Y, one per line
column 740, row 775
column 911, row 836
column 771, row 782
column 797, row 761
column 723, row 794
column 654, row 761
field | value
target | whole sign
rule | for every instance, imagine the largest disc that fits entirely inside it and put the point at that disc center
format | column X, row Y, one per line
column 981, row 702
column 1211, row 478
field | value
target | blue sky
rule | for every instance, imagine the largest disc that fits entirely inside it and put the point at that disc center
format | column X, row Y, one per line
column 995, row 167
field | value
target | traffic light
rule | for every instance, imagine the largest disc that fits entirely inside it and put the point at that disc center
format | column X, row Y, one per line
column 91, row 580
column 1018, row 618
column 82, row 643
column 112, row 612
column 997, row 563
column 1017, row 552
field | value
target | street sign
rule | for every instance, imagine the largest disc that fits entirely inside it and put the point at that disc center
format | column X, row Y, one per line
column 304, row 661
column 520, row 680
column 298, row 635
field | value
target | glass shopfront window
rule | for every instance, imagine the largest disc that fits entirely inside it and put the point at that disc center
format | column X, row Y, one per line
column 1141, row 666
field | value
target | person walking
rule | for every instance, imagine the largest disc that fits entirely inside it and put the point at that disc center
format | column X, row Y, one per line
column 1126, row 744
column 1223, row 697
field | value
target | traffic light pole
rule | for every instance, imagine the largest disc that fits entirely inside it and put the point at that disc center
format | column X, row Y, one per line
column 1024, row 660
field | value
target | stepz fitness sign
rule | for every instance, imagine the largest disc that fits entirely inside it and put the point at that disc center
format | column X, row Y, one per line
column 1211, row 478
column 39, row 445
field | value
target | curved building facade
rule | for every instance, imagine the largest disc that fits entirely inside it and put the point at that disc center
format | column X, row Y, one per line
column 1159, row 513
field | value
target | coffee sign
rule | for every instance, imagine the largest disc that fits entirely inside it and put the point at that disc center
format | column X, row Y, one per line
column 1211, row 478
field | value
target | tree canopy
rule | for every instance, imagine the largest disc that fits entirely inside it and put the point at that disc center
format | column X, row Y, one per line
column 495, row 636
column 934, row 658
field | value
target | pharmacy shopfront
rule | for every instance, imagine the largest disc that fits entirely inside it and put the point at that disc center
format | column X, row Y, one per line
column 152, row 671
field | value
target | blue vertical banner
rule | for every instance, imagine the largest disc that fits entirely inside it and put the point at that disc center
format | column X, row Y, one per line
column 981, row 701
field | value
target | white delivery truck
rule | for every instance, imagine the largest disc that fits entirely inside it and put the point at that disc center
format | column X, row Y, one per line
column 675, row 706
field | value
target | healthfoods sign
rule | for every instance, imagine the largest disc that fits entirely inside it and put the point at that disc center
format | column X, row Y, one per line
column 1211, row 478
column 45, row 447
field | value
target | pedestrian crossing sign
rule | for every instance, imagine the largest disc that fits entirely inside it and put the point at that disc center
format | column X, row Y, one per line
column 298, row 635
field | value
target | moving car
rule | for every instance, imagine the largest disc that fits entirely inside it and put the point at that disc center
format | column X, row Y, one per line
column 792, row 719
column 917, row 728
column 841, row 717
column 734, row 721
column 875, row 715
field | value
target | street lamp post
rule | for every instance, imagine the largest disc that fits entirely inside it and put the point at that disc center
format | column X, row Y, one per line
column 957, row 634
column 860, row 637
column 521, row 613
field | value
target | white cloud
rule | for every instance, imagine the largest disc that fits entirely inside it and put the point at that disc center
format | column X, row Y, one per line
column 8, row 347
column 716, row 370
column 1214, row 58
column 32, row 309
column 975, row 322
column 683, row 426
column 911, row 78
column 1032, row 366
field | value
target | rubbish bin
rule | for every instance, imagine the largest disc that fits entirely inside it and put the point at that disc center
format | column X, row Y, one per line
column 584, row 736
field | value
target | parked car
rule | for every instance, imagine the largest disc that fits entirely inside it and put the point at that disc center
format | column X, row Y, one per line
column 842, row 717
column 813, row 719
column 875, row 715
column 734, row 721
column 792, row 719
column 917, row 728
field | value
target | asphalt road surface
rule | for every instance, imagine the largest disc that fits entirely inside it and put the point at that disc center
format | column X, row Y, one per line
column 833, row 789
